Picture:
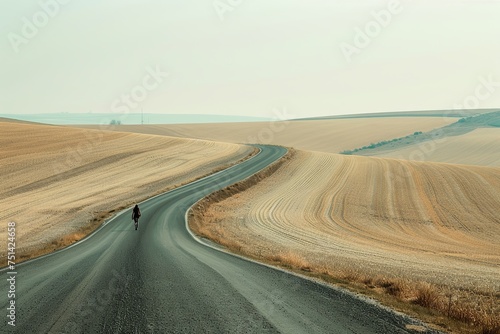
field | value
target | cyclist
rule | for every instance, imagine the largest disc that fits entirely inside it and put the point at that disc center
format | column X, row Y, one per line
column 136, row 214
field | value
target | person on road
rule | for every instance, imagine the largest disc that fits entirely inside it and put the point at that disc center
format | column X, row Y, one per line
column 136, row 214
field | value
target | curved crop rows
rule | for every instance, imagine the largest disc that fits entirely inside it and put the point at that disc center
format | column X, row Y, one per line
column 430, row 221
column 57, row 180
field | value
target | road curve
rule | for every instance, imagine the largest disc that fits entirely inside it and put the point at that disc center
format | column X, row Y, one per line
column 159, row 279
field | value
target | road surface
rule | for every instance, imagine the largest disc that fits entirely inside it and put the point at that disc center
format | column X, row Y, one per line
column 159, row 279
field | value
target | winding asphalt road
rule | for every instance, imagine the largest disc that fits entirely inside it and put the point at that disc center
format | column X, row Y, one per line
column 159, row 279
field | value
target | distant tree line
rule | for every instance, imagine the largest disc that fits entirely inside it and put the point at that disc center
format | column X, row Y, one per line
column 380, row 143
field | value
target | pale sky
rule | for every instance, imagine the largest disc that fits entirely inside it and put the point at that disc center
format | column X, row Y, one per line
column 248, row 57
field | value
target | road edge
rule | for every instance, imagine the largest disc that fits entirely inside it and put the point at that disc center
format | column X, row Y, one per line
column 366, row 299
column 251, row 156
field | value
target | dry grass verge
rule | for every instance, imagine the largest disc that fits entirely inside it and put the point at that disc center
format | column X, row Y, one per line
column 446, row 309
column 213, row 232
column 100, row 217
column 449, row 308
column 66, row 240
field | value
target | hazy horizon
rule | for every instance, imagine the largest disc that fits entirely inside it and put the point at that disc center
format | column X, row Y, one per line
column 128, row 119
column 248, row 59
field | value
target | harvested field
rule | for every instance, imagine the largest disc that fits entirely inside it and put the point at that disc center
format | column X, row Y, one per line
column 400, row 226
column 331, row 136
column 437, row 222
column 61, row 182
column 479, row 147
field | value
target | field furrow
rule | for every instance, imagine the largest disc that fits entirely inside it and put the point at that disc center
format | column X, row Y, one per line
column 60, row 181
column 431, row 221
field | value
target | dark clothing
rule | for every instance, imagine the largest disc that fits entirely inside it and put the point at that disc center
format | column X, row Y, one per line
column 136, row 213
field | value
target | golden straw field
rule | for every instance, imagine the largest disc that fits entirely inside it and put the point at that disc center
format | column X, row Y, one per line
column 63, row 181
column 331, row 136
column 433, row 221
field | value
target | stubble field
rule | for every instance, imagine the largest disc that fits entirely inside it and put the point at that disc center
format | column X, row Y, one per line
column 480, row 147
column 331, row 136
column 60, row 182
column 390, row 224
column 432, row 221
column 422, row 232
